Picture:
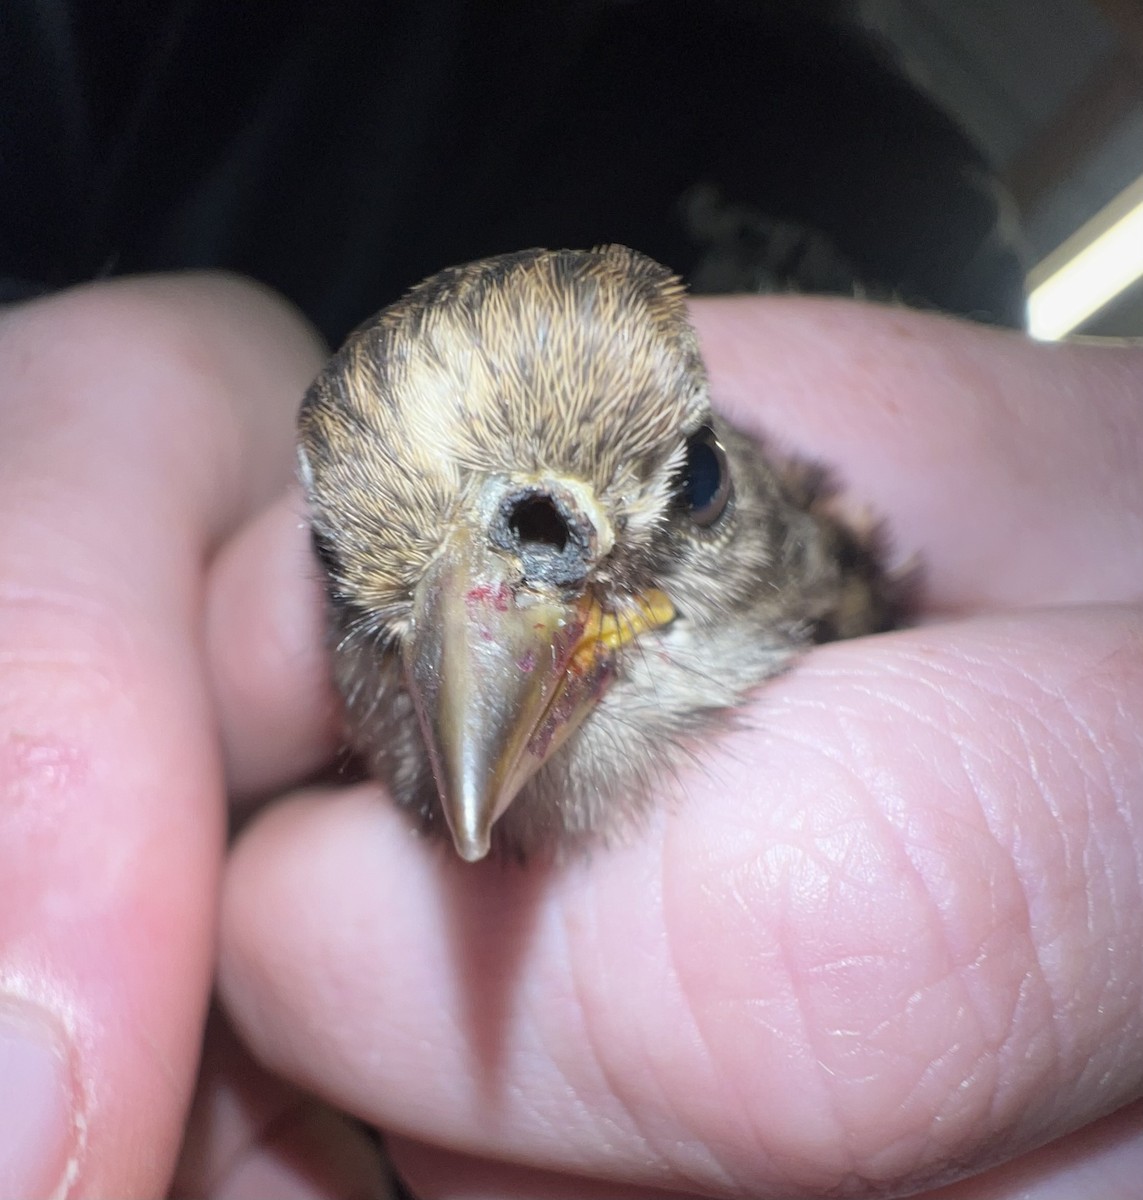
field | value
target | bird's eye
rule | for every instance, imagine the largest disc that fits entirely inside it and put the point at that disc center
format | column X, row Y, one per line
column 706, row 478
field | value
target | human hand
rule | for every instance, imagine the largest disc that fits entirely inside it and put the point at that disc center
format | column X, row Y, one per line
column 140, row 423
column 890, row 934
column 505, row 1016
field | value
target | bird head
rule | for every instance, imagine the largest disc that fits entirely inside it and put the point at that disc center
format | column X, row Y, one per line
column 543, row 563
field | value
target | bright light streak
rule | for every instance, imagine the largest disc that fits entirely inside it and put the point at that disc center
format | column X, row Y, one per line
column 1096, row 264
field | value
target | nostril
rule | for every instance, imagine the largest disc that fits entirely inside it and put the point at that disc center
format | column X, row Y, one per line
column 552, row 538
column 535, row 521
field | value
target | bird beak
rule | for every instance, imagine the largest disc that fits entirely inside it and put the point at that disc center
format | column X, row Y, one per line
column 501, row 674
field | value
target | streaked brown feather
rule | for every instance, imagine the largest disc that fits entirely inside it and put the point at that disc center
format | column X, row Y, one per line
column 581, row 365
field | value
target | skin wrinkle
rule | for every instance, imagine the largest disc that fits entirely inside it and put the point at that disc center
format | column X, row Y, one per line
column 1104, row 967
column 898, row 1154
column 1057, row 820
column 674, row 1105
column 945, row 1060
column 978, row 787
column 756, row 1124
column 979, row 957
column 950, row 976
column 640, row 1123
column 1106, row 785
column 841, row 1133
column 547, row 1123
column 1045, row 945
column 1135, row 971
column 609, row 1130
column 739, row 1177
column 921, row 876
column 574, row 1004
column 1096, row 875
column 610, row 1076
column 696, row 1159
column 729, row 1174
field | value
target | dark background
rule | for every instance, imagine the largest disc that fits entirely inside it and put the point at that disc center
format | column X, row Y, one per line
column 340, row 151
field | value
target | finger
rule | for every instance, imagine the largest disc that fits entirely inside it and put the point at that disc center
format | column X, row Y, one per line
column 139, row 425
column 1010, row 468
column 435, row 1174
column 1100, row 1162
column 251, row 1134
column 1104, row 1161
column 314, row 1155
column 278, row 715
column 893, row 929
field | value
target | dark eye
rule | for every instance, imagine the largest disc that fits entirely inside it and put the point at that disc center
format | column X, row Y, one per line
column 706, row 478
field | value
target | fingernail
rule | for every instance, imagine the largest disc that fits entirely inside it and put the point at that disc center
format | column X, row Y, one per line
column 36, row 1118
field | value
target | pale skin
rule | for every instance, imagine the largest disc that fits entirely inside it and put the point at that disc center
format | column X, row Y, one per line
column 891, row 927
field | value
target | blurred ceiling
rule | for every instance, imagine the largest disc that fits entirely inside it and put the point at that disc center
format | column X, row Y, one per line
column 1052, row 92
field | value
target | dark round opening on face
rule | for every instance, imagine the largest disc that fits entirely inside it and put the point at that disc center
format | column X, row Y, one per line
column 535, row 521
column 552, row 540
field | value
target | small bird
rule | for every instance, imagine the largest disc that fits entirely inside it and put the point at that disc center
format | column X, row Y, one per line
column 551, row 567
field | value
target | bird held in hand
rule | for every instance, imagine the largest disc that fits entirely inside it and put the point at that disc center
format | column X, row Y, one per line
column 550, row 565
